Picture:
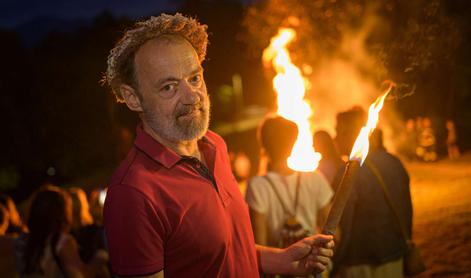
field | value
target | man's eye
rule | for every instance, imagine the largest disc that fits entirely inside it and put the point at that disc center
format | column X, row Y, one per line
column 168, row 88
column 195, row 79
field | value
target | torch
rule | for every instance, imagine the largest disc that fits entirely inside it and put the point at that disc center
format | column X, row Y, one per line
column 356, row 159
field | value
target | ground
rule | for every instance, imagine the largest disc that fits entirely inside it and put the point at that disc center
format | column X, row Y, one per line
column 441, row 196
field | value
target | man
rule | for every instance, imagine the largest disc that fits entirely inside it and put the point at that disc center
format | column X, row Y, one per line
column 173, row 205
column 372, row 244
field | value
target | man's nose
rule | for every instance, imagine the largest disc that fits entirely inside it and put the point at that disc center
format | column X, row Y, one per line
column 191, row 94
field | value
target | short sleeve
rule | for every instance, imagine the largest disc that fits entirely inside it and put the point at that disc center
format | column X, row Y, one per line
column 134, row 232
column 325, row 191
column 256, row 195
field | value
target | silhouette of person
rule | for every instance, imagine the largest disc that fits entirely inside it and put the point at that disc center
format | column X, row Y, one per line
column 371, row 243
column 331, row 162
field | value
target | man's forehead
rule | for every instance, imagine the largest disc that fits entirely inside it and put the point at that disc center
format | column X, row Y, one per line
column 164, row 55
column 168, row 45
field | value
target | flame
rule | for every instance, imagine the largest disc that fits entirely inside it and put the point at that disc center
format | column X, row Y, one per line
column 362, row 144
column 290, row 88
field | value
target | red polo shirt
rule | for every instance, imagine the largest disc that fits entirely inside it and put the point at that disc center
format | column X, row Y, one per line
column 164, row 211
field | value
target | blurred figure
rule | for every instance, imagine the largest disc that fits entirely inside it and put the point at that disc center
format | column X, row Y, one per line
column 331, row 162
column 427, row 141
column 451, row 140
column 283, row 194
column 409, row 141
column 97, row 200
column 50, row 250
column 348, row 126
column 89, row 236
column 15, row 225
column 241, row 169
column 4, row 220
column 371, row 243
column 7, row 251
column 80, row 209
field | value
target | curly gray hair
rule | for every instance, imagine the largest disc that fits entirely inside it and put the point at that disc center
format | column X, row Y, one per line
column 121, row 58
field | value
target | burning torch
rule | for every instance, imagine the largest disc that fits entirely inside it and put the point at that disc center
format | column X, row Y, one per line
column 356, row 159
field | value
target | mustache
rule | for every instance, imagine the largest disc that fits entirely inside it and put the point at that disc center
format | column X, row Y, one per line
column 187, row 109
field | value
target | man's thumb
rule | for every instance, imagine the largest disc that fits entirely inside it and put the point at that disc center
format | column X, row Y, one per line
column 321, row 239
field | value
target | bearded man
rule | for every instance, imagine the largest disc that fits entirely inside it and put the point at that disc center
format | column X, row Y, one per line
column 173, row 205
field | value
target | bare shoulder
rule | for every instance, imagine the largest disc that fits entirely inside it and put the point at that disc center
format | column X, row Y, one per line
column 66, row 244
column 67, row 239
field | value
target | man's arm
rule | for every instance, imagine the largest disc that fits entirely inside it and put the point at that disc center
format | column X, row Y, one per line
column 259, row 226
column 311, row 254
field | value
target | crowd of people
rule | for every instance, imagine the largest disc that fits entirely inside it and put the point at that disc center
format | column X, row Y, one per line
column 419, row 140
column 62, row 236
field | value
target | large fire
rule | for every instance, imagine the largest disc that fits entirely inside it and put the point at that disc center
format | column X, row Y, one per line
column 290, row 88
column 362, row 144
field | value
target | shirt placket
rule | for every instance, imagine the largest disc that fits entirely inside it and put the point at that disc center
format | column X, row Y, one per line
column 201, row 169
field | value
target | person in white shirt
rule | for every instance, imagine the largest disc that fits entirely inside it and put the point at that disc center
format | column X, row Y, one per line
column 282, row 192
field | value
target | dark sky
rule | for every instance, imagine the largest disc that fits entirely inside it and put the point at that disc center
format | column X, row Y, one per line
column 16, row 12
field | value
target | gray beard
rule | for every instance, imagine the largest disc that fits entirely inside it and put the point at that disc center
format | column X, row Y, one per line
column 178, row 130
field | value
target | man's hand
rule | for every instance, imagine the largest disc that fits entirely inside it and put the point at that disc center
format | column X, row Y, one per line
column 309, row 255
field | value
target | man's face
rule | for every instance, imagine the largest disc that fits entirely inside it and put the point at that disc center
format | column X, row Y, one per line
column 173, row 93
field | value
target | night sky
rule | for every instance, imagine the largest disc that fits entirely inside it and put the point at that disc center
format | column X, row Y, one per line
column 14, row 12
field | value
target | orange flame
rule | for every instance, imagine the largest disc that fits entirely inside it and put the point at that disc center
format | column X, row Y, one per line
column 362, row 144
column 290, row 89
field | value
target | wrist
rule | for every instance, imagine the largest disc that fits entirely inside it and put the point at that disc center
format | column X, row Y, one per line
column 273, row 260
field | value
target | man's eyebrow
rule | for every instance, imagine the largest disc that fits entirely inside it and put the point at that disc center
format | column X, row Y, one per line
column 199, row 69
column 165, row 80
column 162, row 81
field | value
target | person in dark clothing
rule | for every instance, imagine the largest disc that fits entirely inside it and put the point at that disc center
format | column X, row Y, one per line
column 331, row 161
column 348, row 126
column 371, row 243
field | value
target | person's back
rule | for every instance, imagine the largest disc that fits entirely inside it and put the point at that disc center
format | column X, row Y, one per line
column 51, row 264
column 283, row 193
column 314, row 194
column 370, row 234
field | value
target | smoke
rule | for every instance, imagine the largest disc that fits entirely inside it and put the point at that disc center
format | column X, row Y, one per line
column 346, row 49
column 350, row 77
column 353, row 76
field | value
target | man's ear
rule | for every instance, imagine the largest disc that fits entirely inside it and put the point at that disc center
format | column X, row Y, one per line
column 130, row 98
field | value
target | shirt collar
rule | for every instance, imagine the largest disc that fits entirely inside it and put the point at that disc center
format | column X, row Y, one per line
column 159, row 152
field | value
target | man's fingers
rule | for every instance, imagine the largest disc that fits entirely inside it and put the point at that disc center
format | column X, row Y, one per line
column 324, row 252
column 323, row 241
column 323, row 260
column 318, row 240
column 330, row 244
column 317, row 266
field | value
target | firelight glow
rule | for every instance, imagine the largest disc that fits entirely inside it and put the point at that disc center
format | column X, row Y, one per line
column 361, row 146
column 289, row 86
